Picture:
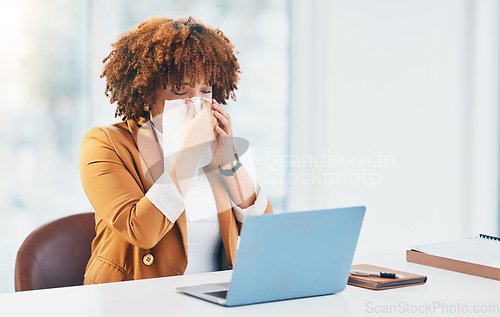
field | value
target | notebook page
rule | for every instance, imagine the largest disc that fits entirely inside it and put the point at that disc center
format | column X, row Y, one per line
column 476, row 250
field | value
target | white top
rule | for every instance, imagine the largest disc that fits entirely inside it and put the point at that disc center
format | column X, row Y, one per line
column 203, row 232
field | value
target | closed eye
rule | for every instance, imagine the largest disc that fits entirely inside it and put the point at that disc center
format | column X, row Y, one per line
column 180, row 94
column 206, row 91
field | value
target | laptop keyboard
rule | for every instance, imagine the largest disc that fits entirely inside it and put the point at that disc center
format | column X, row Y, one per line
column 220, row 294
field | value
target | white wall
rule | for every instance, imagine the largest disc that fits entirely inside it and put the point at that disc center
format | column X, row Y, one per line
column 402, row 98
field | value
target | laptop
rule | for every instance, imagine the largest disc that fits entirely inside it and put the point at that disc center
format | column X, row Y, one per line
column 290, row 255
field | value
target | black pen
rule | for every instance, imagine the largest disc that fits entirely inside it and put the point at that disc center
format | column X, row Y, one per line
column 378, row 274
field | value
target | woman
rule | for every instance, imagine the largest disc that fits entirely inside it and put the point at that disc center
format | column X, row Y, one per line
column 162, row 216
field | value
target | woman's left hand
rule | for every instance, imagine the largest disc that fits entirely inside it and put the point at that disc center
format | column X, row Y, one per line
column 223, row 135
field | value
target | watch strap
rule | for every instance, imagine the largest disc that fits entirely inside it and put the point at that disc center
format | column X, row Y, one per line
column 230, row 172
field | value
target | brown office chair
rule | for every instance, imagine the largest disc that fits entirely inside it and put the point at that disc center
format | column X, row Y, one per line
column 55, row 254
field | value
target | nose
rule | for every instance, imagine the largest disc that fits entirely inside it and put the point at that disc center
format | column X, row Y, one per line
column 196, row 94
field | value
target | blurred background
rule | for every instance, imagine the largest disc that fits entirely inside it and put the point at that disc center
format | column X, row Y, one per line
column 389, row 104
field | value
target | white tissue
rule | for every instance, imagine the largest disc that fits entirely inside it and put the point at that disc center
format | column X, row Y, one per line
column 174, row 116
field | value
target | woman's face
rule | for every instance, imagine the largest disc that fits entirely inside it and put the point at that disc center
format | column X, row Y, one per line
column 200, row 90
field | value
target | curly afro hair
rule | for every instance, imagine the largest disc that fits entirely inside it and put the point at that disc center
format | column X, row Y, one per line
column 162, row 52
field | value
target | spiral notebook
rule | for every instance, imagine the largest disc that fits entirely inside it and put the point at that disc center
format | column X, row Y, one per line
column 478, row 256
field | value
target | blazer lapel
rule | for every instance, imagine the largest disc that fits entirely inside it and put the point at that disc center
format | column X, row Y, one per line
column 150, row 151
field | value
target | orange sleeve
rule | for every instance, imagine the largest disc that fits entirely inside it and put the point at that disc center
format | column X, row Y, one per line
column 115, row 194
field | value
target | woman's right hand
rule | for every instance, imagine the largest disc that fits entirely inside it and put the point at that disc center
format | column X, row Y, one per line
column 198, row 130
column 197, row 134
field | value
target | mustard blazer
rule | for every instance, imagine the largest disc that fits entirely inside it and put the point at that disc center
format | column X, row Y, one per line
column 134, row 240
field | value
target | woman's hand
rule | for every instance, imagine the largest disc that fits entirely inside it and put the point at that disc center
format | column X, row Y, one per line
column 239, row 186
column 198, row 133
column 198, row 130
column 224, row 135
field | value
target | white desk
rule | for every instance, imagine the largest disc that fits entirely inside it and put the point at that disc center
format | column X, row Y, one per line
column 158, row 297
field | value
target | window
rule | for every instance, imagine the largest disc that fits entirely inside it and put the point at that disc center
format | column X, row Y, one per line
column 51, row 94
